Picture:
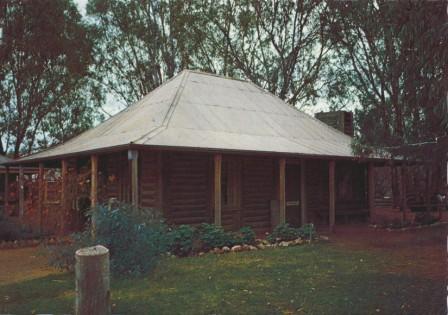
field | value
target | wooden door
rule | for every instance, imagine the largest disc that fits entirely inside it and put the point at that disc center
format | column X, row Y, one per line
column 292, row 179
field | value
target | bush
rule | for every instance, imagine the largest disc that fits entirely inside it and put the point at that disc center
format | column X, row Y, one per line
column 307, row 231
column 284, row 232
column 212, row 236
column 247, row 235
column 136, row 238
column 182, row 240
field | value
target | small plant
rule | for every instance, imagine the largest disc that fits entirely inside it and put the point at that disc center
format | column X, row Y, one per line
column 307, row 231
column 247, row 235
column 213, row 236
column 283, row 232
column 181, row 240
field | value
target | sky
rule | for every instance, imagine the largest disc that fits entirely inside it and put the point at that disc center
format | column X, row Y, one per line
column 81, row 6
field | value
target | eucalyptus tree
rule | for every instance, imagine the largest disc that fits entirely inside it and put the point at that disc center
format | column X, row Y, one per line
column 276, row 44
column 45, row 54
column 140, row 44
column 391, row 59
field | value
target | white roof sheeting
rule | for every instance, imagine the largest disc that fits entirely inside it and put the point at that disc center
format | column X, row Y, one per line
column 205, row 111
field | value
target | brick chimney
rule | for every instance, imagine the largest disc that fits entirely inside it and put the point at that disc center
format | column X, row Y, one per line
column 340, row 120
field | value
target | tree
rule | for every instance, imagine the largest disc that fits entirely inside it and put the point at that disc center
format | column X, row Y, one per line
column 140, row 44
column 390, row 59
column 276, row 44
column 45, row 56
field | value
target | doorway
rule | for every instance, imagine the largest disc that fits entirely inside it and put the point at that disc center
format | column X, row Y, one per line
column 292, row 190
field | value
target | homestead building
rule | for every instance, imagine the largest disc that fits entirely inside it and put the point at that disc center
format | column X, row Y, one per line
column 205, row 148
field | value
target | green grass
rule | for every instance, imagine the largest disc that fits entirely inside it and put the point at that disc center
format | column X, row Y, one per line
column 312, row 279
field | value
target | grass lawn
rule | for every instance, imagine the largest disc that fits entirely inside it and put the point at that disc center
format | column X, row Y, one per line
column 311, row 279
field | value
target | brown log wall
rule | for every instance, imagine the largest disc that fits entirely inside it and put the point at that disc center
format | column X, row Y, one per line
column 258, row 187
column 188, row 183
column 149, row 178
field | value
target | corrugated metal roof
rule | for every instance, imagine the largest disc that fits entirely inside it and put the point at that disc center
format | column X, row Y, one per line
column 4, row 159
column 205, row 111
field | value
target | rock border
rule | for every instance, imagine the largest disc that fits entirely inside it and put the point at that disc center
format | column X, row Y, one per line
column 260, row 244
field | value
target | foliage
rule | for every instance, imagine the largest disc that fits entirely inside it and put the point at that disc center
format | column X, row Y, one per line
column 62, row 255
column 307, row 231
column 45, row 89
column 181, row 240
column 247, row 235
column 213, row 236
column 140, row 44
column 390, row 60
column 285, row 232
column 136, row 238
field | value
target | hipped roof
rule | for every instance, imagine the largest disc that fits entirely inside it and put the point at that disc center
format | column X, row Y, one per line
column 196, row 110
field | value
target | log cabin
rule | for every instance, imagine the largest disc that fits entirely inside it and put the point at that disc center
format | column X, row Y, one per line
column 207, row 148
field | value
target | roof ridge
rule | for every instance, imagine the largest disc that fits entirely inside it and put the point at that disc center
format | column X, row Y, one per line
column 225, row 77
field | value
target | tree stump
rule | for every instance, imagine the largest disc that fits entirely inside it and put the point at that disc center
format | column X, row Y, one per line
column 92, row 281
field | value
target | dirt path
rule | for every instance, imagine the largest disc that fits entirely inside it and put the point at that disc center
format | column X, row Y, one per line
column 22, row 264
column 421, row 250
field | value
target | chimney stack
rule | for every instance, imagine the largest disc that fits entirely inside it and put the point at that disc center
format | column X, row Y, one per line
column 340, row 120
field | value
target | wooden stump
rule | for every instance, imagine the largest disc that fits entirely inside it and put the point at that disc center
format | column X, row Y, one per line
column 92, row 281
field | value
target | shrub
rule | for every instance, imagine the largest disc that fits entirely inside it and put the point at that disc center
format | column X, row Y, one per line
column 247, row 235
column 212, row 236
column 136, row 238
column 182, row 240
column 284, row 232
column 307, row 231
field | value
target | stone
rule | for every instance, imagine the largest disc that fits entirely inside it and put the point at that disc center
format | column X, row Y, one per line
column 251, row 247
column 217, row 250
column 245, row 247
column 261, row 246
column 201, row 254
column 236, row 248
column 226, row 249
column 324, row 238
column 283, row 244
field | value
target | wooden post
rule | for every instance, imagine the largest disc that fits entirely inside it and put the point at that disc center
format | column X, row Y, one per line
column 6, row 199
column 64, row 175
column 160, row 183
column 41, row 195
column 303, row 191
column 21, row 193
column 331, row 186
column 217, row 188
column 92, row 281
column 94, row 181
column 93, row 190
column 371, row 187
column 282, row 190
column 133, row 157
column 404, row 201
